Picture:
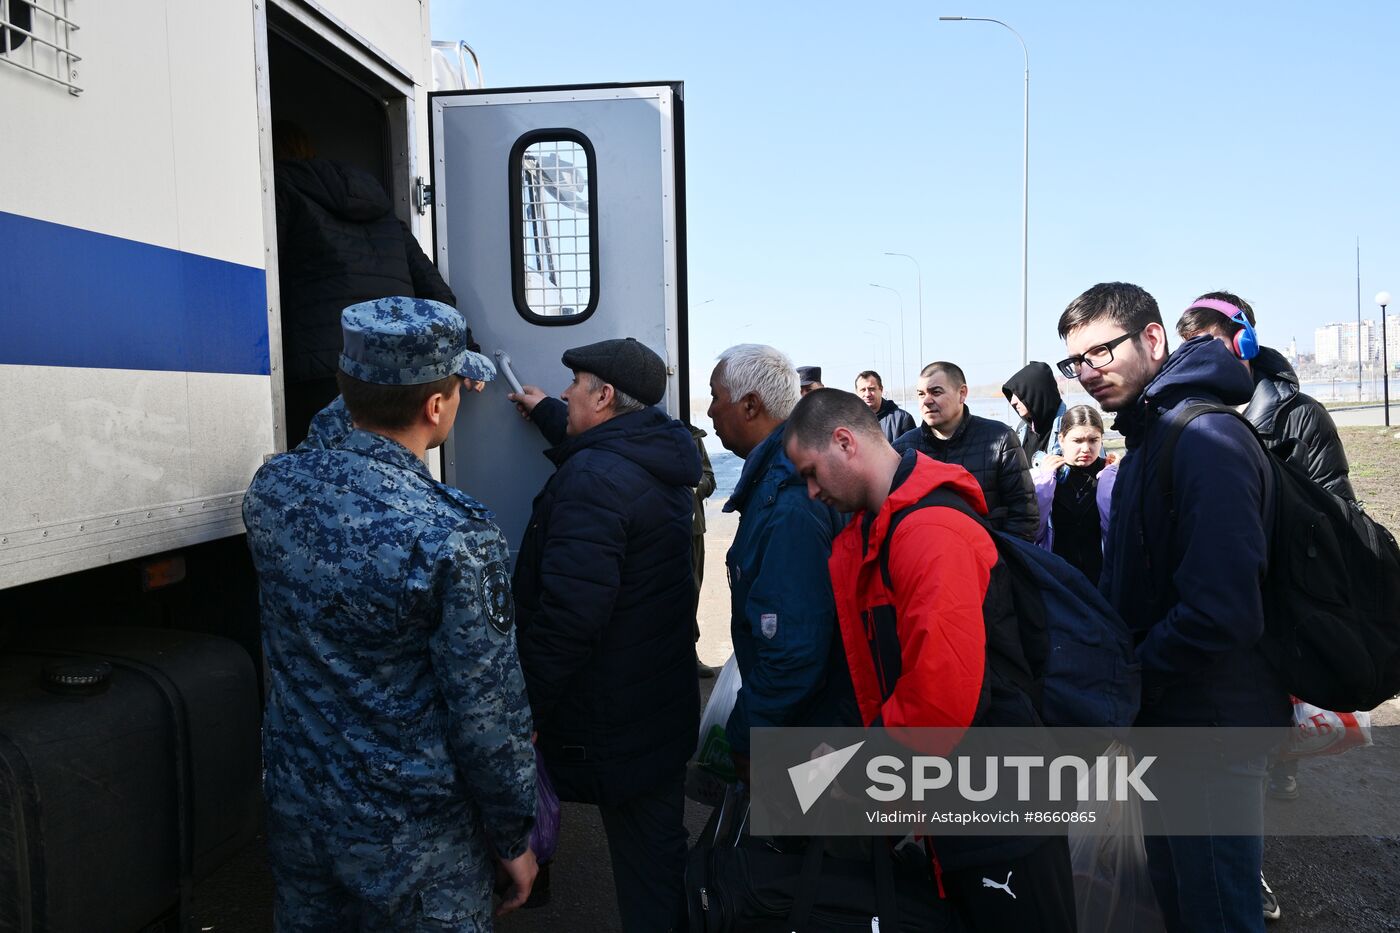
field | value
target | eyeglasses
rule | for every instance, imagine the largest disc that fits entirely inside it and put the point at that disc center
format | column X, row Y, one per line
column 1097, row 357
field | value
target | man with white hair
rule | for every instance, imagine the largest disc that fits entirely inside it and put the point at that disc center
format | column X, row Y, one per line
column 783, row 615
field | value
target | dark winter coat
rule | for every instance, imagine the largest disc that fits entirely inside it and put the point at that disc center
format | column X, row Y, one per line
column 990, row 451
column 894, row 421
column 604, row 598
column 1188, row 585
column 339, row 243
column 1035, row 386
column 1279, row 412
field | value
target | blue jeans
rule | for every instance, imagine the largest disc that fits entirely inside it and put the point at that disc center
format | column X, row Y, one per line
column 1210, row 884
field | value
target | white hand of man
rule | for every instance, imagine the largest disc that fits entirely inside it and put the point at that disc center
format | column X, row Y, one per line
column 526, row 399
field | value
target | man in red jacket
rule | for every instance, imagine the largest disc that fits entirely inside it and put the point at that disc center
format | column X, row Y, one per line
column 958, row 661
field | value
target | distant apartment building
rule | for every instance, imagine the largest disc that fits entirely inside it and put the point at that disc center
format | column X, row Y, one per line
column 1346, row 343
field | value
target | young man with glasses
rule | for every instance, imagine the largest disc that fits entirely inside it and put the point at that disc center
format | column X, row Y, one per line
column 1185, row 575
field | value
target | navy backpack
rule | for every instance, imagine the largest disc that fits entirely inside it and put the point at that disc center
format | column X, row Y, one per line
column 1080, row 651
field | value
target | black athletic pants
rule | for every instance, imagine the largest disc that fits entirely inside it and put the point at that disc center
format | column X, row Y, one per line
column 1030, row 894
column 647, row 839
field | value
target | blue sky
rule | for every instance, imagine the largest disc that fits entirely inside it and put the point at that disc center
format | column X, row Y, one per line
column 1184, row 146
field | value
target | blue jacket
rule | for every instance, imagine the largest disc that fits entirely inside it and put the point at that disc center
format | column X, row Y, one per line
column 605, row 598
column 1189, row 585
column 782, row 613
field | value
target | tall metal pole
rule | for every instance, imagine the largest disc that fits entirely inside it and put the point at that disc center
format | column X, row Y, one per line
column 918, row 271
column 903, row 367
column 1360, row 355
column 1383, row 299
column 1025, row 174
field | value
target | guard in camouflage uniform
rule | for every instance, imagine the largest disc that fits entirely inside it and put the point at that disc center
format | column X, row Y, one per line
column 399, row 772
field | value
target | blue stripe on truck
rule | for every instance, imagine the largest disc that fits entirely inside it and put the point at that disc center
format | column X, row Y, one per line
column 71, row 297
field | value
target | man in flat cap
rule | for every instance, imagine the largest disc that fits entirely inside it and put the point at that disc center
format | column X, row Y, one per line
column 809, row 379
column 605, row 591
column 398, row 770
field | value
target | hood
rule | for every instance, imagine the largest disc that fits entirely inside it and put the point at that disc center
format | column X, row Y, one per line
column 929, row 474
column 1035, row 385
column 1201, row 366
column 1275, row 385
column 888, row 406
column 344, row 190
column 649, row 438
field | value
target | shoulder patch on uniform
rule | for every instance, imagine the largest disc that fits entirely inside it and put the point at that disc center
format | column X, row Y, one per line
column 496, row 600
column 768, row 623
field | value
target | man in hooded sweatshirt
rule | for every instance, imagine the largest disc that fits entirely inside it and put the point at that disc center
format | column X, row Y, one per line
column 1034, row 395
column 605, row 598
column 338, row 244
column 1197, row 643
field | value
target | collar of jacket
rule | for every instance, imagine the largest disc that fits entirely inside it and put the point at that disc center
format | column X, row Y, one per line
column 390, row 451
column 929, row 474
column 768, row 457
column 1275, row 386
column 1201, row 368
column 611, row 429
column 887, row 407
column 957, row 434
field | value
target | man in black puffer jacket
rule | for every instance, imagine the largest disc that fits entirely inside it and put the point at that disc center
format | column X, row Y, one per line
column 987, row 449
column 604, row 593
column 338, row 243
column 1278, row 410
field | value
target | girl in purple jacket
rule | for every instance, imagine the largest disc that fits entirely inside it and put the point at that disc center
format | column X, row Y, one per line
column 1073, row 490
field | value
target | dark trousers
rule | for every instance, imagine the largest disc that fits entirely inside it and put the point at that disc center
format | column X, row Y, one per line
column 1033, row 893
column 1210, row 884
column 647, row 840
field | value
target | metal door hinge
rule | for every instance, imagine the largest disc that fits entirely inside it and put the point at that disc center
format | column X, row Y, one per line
column 422, row 194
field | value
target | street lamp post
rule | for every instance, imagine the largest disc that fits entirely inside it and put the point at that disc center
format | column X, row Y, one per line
column 1025, row 169
column 889, row 335
column 918, row 270
column 874, row 347
column 903, row 369
column 1383, row 299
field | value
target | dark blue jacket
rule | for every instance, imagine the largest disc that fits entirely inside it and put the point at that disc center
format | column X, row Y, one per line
column 782, row 614
column 1189, row 586
column 605, row 598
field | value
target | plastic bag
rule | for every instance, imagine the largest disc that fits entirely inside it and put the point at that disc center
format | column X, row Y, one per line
column 1112, row 888
column 712, row 771
column 544, row 838
column 1318, row 731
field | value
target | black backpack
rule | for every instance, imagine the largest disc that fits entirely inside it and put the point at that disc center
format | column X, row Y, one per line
column 1332, row 589
column 1078, row 650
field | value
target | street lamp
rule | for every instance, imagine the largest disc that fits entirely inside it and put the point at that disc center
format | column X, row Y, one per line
column 874, row 347
column 903, row 369
column 918, row 270
column 1383, row 299
column 1025, row 168
column 889, row 335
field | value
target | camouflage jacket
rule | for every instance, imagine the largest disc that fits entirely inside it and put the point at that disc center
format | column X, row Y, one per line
column 396, row 701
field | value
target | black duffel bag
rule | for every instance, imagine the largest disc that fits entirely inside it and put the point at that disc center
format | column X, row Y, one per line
column 753, row 888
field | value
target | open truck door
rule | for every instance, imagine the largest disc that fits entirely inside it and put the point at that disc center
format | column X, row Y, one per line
column 560, row 221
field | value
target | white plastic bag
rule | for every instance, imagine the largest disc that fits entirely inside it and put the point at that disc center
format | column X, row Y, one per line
column 712, row 771
column 1318, row 731
column 1112, row 887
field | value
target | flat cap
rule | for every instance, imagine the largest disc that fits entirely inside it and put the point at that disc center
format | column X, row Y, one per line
column 407, row 342
column 629, row 366
column 806, row 375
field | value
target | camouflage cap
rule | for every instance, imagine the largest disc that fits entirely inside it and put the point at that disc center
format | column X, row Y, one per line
column 408, row 341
